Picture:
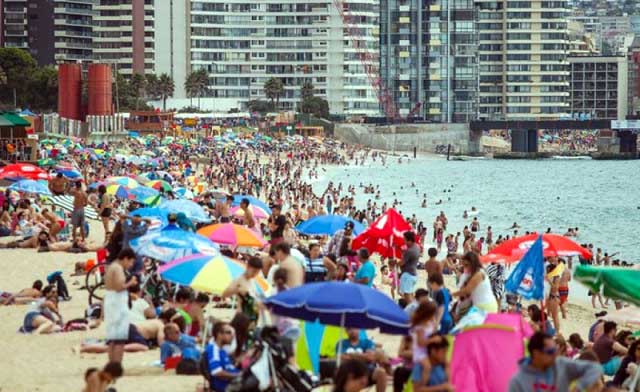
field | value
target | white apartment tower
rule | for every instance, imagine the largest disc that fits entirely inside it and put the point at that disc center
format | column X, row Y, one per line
column 523, row 48
column 124, row 35
column 243, row 43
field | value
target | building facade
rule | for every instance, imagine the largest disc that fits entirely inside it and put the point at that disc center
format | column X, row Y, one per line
column 523, row 45
column 599, row 87
column 243, row 44
column 172, row 28
column 633, row 95
column 124, row 35
column 53, row 31
column 428, row 58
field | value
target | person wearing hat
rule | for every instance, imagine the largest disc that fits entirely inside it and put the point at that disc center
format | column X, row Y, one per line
column 333, row 247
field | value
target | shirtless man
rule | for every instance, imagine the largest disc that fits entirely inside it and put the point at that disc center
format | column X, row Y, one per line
column 295, row 272
column 243, row 287
column 432, row 265
column 116, row 303
column 223, row 209
column 58, row 185
column 80, row 201
column 563, row 289
column 248, row 218
column 140, row 337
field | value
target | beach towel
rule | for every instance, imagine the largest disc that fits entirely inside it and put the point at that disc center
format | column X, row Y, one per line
column 116, row 314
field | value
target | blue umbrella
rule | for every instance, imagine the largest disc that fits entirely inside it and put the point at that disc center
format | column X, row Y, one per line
column 153, row 213
column 145, row 195
column 252, row 200
column 31, row 186
column 191, row 209
column 328, row 224
column 343, row 304
column 172, row 243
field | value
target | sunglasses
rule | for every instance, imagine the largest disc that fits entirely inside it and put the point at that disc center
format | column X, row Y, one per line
column 550, row 350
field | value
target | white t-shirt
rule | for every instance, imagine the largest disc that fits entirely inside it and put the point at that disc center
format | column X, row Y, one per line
column 136, row 313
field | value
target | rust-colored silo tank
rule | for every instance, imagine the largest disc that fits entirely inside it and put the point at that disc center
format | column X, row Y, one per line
column 99, row 90
column 69, row 91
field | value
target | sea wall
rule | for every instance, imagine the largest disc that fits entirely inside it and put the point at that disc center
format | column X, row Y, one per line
column 433, row 138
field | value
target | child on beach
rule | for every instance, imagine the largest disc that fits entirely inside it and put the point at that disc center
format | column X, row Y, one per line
column 99, row 380
column 388, row 279
column 423, row 326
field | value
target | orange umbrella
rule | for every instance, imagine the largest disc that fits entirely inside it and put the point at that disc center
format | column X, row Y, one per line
column 232, row 234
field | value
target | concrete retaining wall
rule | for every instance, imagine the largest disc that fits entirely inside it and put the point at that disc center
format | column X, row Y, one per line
column 425, row 137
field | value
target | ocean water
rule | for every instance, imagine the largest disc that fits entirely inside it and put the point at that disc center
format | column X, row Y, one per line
column 601, row 198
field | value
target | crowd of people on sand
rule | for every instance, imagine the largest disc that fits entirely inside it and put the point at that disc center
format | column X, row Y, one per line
column 559, row 140
column 221, row 349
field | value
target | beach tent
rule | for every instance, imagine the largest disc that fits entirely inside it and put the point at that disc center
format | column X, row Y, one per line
column 616, row 282
column 486, row 356
column 385, row 235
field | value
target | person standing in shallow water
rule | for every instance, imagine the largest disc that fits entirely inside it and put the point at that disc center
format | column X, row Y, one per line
column 409, row 267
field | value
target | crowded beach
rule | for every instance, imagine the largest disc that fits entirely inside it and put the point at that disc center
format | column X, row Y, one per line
column 212, row 264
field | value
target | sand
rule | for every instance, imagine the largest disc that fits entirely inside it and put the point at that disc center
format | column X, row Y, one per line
column 47, row 362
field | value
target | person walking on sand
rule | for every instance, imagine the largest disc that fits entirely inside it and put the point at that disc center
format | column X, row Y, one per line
column 116, row 303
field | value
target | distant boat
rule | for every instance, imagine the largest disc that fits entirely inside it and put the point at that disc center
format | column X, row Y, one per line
column 466, row 158
column 567, row 157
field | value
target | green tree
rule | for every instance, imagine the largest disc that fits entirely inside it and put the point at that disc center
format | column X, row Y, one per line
column 260, row 106
column 196, row 85
column 317, row 106
column 153, row 92
column 16, row 69
column 166, row 87
column 137, row 84
column 43, row 89
column 273, row 89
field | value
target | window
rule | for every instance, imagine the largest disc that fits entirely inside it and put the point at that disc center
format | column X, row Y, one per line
column 517, row 99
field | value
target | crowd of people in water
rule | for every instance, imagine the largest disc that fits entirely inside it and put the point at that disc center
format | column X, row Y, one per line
column 280, row 175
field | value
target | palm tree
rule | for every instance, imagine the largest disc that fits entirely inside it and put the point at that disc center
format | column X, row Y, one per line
column 306, row 90
column 138, row 84
column 196, row 85
column 166, row 87
column 273, row 89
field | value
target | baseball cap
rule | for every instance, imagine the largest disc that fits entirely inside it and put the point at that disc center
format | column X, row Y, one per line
column 349, row 225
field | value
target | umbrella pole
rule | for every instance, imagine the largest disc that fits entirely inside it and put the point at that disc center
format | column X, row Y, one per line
column 544, row 318
column 342, row 317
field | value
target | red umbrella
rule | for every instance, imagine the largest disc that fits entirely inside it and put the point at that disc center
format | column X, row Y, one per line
column 20, row 171
column 384, row 236
column 553, row 245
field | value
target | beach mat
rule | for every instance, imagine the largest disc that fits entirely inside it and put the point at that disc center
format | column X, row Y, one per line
column 66, row 203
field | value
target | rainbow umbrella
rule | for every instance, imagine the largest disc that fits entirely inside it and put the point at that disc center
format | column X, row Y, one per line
column 124, row 181
column 160, row 185
column 145, row 195
column 208, row 273
column 258, row 213
column 232, row 234
column 119, row 191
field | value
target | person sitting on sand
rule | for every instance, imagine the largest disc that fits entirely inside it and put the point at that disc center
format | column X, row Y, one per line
column 141, row 337
column 178, row 343
column 608, row 350
column 140, row 308
column 99, row 380
column 43, row 316
column 219, row 364
column 355, row 347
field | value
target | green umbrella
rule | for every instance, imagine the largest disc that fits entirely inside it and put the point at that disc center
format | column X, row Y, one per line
column 617, row 283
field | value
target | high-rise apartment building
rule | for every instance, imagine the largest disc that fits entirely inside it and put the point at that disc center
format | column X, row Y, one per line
column 53, row 31
column 172, row 34
column 124, row 35
column 428, row 58
column 523, row 45
column 243, row 44
column 599, row 87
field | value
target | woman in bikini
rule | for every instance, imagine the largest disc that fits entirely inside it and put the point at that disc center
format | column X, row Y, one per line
column 106, row 208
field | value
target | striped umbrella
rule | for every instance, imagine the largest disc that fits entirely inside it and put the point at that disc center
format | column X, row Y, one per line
column 208, row 273
column 66, row 203
column 145, row 195
column 232, row 234
column 119, row 191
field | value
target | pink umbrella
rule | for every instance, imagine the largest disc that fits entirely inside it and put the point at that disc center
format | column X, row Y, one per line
column 232, row 234
column 258, row 213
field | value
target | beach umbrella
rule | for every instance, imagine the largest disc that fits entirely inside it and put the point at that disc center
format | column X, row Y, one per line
column 553, row 245
column 327, row 225
column 160, row 185
column 385, row 235
column 153, row 213
column 172, row 243
column 31, row 186
column 66, row 203
column 47, row 162
column 341, row 304
column 124, row 181
column 258, row 213
column 145, row 195
column 20, row 171
column 218, row 193
column 191, row 209
column 252, row 201
column 183, row 193
column 211, row 274
column 616, row 282
column 69, row 172
column 119, row 191
column 232, row 234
